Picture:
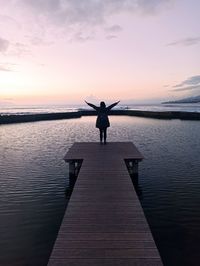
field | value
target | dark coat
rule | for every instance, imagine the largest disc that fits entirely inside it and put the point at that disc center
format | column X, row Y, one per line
column 102, row 118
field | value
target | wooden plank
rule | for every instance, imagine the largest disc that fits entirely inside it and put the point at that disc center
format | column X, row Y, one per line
column 117, row 236
column 106, row 244
column 65, row 252
column 105, row 262
column 104, row 223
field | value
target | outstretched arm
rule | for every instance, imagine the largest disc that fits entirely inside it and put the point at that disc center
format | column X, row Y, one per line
column 92, row 105
column 112, row 105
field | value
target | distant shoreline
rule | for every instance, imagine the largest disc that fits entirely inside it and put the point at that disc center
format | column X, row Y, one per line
column 10, row 119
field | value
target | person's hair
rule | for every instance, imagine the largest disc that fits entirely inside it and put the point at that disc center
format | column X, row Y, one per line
column 102, row 104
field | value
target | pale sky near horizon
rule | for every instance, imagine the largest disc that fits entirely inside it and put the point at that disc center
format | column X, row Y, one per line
column 65, row 51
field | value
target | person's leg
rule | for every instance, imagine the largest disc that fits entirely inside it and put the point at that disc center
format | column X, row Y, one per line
column 101, row 135
column 105, row 135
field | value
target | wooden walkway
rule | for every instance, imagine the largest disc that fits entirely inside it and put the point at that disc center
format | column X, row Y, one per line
column 104, row 223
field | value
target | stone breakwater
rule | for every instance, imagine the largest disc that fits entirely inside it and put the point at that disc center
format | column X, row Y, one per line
column 8, row 119
column 151, row 114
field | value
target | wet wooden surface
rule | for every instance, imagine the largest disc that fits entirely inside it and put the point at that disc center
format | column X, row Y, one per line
column 104, row 223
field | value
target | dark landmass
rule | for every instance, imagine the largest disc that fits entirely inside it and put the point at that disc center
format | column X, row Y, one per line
column 195, row 99
column 8, row 119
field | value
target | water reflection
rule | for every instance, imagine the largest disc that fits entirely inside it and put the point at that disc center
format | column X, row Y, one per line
column 132, row 167
column 72, row 175
column 34, row 177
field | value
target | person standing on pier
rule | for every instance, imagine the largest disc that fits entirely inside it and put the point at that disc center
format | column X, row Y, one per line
column 102, row 122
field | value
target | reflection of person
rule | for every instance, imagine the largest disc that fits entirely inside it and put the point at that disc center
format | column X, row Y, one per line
column 102, row 122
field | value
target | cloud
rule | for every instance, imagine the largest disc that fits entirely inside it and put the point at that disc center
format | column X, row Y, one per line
column 7, row 67
column 191, row 83
column 4, row 44
column 113, row 29
column 70, row 17
column 4, row 68
column 81, row 37
column 19, row 49
column 36, row 41
column 14, row 48
column 194, row 80
column 186, row 42
column 88, row 12
column 188, row 88
column 111, row 37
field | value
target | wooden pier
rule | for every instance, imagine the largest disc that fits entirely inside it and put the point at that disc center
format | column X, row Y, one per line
column 104, row 223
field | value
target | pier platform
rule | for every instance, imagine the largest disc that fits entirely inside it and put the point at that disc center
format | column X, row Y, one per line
column 104, row 223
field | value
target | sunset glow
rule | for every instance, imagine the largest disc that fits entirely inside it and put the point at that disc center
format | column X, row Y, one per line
column 66, row 51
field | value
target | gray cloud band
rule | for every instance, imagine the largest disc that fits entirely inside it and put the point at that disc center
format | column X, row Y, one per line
column 192, row 83
column 186, row 42
column 194, row 80
column 188, row 88
column 89, row 11
column 4, row 44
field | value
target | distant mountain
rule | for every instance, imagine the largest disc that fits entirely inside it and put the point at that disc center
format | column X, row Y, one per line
column 195, row 99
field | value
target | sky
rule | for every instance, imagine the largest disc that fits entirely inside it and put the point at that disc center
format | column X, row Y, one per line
column 68, row 51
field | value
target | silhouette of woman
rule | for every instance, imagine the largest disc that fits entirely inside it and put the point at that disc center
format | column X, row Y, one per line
column 102, row 122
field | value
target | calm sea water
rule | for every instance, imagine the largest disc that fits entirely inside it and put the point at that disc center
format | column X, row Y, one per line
column 34, row 177
column 19, row 110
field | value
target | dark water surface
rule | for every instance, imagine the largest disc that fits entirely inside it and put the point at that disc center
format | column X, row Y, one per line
column 33, row 179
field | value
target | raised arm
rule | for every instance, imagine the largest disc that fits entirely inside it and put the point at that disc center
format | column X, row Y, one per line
column 112, row 105
column 92, row 105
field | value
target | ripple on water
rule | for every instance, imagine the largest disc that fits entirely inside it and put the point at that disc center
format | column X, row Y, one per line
column 33, row 179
